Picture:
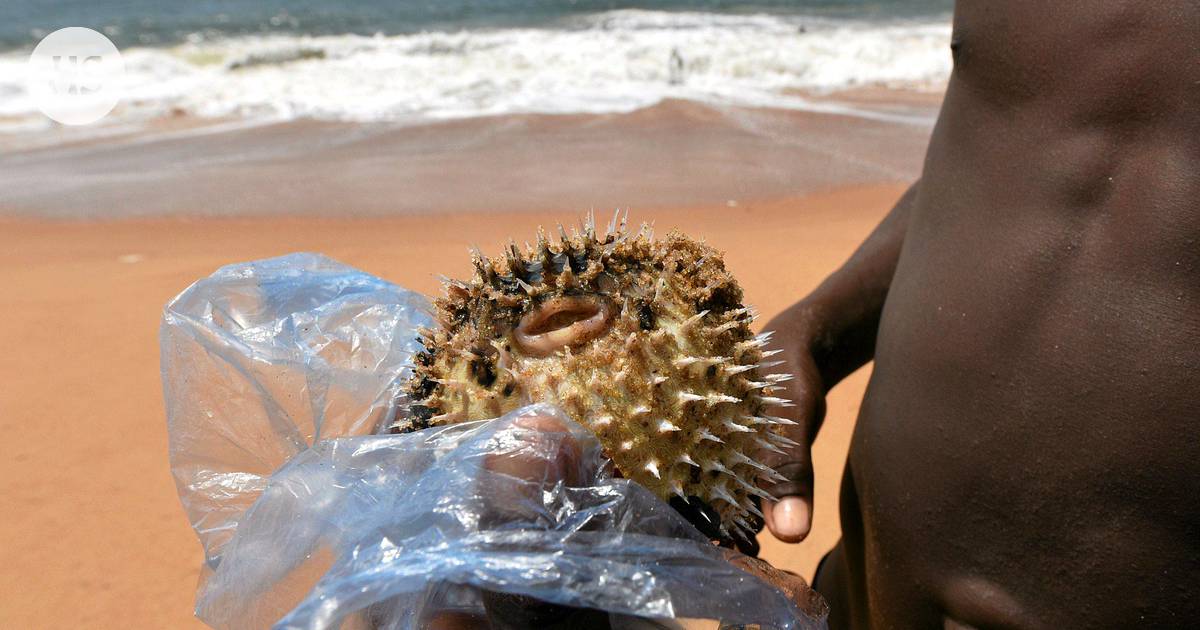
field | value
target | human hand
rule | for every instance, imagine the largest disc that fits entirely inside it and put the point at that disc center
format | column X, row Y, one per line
column 791, row 584
column 536, row 451
column 789, row 518
column 540, row 450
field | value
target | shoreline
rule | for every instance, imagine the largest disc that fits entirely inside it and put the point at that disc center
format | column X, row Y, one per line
column 676, row 153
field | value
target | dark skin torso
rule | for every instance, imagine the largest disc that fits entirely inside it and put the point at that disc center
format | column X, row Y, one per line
column 1028, row 452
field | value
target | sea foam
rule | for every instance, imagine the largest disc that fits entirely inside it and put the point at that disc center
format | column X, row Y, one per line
column 615, row 61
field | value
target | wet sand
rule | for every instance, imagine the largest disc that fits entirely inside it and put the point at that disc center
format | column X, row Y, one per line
column 93, row 532
column 671, row 155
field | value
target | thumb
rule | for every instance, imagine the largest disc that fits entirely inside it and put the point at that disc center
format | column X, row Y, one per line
column 530, row 456
column 789, row 517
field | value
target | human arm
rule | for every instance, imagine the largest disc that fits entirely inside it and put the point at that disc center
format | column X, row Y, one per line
column 825, row 337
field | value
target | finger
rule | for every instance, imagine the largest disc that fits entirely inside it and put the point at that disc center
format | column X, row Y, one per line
column 789, row 583
column 789, row 518
column 536, row 451
column 536, row 448
column 533, row 453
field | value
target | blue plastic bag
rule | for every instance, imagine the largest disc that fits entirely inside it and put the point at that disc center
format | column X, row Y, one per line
column 278, row 377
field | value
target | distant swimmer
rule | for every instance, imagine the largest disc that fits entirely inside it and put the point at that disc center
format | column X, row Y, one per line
column 675, row 68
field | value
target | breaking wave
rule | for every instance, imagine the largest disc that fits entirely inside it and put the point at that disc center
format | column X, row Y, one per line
column 605, row 62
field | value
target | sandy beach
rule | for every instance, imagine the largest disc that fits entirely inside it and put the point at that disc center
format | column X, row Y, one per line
column 96, row 236
column 673, row 154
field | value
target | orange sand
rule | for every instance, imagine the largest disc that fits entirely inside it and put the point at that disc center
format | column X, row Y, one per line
column 93, row 532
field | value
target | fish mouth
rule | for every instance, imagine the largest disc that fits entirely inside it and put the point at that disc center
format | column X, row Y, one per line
column 563, row 322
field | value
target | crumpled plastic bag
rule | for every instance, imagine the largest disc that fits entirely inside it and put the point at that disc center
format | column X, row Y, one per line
column 278, row 376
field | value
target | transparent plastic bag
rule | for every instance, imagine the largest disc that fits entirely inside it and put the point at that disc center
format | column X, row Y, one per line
column 278, row 374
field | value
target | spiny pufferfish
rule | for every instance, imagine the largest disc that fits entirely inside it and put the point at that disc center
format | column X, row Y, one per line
column 645, row 342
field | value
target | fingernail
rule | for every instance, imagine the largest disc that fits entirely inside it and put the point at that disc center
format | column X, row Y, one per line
column 791, row 517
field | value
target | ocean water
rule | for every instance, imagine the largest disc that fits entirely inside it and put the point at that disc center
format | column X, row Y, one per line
column 413, row 60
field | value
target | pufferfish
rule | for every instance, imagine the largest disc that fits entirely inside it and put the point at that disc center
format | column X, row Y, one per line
column 645, row 342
